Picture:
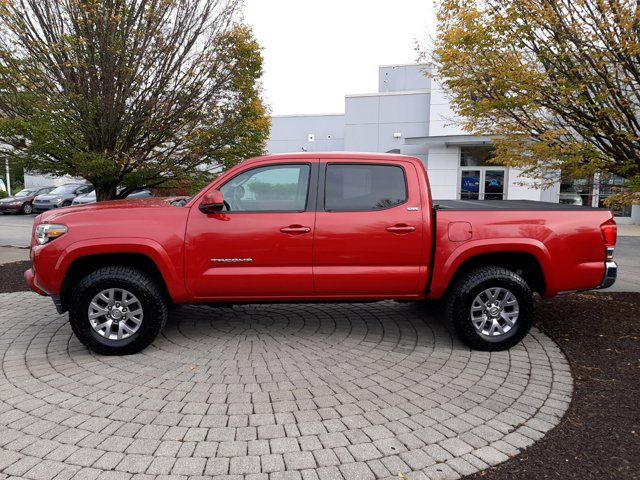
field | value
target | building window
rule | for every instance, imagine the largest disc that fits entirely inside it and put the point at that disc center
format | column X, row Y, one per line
column 610, row 184
column 593, row 191
column 480, row 180
column 475, row 156
column 576, row 191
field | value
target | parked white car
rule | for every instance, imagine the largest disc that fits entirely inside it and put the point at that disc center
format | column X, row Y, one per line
column 91, row 196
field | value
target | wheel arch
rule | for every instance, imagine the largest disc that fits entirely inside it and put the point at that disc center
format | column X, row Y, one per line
column 524, row 264
column 529, row 260
column 81, row 265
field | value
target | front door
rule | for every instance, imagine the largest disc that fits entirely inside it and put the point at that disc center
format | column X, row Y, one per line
column 369, row 228
column 260, row 245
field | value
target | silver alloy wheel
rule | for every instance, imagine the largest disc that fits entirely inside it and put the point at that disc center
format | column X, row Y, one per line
column 115, row 313
column 27, row 208
column 494, row 312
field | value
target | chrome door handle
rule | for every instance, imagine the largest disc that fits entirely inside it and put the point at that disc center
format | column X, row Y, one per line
column 295, row 229
column 401, row 228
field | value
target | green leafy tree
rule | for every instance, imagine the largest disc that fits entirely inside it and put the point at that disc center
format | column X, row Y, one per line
column 137, row 93
column 557, row 81
column 16, row 172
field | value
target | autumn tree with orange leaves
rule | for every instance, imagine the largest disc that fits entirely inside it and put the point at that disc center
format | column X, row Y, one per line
column 556, row 81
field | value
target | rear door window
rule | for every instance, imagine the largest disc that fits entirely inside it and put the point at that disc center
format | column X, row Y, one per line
column 364, row 187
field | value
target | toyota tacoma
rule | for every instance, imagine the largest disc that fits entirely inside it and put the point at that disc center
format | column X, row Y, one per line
column 314, row 227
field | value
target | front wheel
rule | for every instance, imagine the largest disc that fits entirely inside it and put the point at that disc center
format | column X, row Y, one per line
column 117, row 310
column 490, row 308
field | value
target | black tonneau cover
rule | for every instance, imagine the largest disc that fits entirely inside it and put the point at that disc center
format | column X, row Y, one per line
column 487, row 205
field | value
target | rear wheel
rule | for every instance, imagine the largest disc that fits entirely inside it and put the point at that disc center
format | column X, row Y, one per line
column 27, row 209
column 490, row 308
column 117, row 310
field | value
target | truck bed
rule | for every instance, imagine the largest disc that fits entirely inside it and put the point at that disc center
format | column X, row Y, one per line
column 511, row 205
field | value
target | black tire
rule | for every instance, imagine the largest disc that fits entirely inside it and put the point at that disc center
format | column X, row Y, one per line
column 135, row 281
column 465, row 290
column 27, row 209
column 66, row 204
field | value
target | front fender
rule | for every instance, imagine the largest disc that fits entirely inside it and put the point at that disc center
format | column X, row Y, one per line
column 171, row 270
column 444, row 270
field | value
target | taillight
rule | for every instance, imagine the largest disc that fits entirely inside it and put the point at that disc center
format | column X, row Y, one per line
column 609, row 231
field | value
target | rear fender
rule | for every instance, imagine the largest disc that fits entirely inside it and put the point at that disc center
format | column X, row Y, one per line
column 443, row 273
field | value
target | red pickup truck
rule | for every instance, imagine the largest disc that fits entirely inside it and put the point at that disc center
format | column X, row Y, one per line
column 316, row 227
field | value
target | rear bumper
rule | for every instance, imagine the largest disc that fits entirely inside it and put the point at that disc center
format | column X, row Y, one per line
column 610, row 274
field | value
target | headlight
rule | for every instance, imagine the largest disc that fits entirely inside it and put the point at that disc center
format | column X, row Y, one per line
column 48, row 231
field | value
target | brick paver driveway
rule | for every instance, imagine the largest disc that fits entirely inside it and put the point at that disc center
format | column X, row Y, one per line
column 270, row 392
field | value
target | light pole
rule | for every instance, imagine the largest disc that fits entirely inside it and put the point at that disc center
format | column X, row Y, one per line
column 6, row 164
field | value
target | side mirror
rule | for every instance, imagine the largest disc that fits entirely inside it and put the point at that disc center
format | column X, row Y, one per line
column 212, row 202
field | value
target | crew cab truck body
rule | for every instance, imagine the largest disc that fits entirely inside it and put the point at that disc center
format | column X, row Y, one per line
column 315, row 227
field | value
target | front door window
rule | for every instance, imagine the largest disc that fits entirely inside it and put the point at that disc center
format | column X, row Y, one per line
column 280, row 188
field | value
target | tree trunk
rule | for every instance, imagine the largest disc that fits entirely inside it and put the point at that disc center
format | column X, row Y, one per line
column 105, row 191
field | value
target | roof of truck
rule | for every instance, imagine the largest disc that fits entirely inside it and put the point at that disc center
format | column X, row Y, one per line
column 340, row 155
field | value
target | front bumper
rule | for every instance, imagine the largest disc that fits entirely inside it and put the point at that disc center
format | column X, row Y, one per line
column 5, row 208
column 610, row 274
column 43, row 207
column 30, row 277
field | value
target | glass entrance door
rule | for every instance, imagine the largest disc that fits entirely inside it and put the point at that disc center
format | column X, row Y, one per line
column 493, row 184
column 470, row 185
column 482, row 184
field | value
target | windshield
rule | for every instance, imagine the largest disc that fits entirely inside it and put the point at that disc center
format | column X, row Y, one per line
column 64, row 189
column 26, row 192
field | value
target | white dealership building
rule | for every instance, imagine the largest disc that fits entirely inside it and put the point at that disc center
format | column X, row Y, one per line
column 411, row 114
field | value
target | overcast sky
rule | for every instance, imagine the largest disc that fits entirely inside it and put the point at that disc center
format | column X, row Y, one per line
column 316, row 52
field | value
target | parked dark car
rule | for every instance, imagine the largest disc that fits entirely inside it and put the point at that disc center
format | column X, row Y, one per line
column 91, row 196
column 22, row 201
column 61, row 196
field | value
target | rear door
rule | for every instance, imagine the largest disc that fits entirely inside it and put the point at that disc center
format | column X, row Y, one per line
column 369, row 229
column 261, row 244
